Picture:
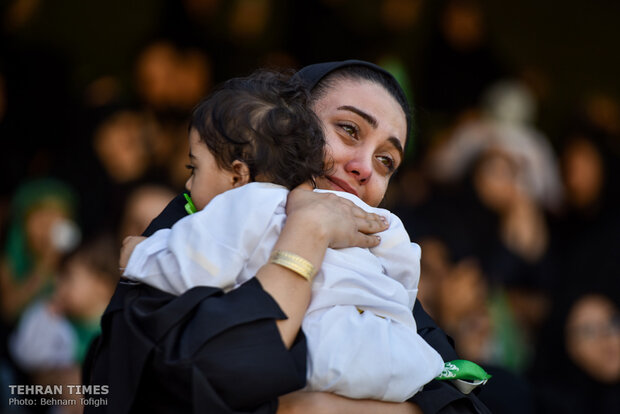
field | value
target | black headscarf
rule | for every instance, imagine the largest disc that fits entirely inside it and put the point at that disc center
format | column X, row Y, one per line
column 311, row 75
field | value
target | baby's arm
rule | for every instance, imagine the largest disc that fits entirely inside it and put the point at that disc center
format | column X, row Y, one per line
column 210, row 247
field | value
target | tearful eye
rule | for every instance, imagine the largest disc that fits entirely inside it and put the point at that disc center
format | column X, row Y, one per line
column 349, row 130
column 387, row 162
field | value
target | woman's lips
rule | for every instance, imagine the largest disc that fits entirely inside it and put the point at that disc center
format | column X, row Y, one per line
column 342, row 185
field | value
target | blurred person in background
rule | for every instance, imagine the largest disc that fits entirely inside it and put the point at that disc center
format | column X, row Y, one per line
column 121, row 144
column 142, row 206
column 586, row 232
column 458, row 63
column 50, row 342
column 578, row 367
column 506, row 121
column 170, row 79
column 123, row 161
column 40, row 230
column 493, row 235
column 494, row 180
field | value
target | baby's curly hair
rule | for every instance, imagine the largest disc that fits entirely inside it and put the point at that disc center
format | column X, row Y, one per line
column 263, row 120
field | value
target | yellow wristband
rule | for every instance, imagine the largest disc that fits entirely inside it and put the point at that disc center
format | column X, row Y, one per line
column 294, row 262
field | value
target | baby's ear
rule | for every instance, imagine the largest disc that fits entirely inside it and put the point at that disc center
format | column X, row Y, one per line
column 240, row 173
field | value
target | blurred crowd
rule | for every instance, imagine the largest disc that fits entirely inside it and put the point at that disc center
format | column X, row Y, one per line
column 518, row 223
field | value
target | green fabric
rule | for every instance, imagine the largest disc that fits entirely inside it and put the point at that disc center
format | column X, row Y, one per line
column 464, row 370
column 511, row 345
column 85, row 332
column 189, row 207
column 28, row 197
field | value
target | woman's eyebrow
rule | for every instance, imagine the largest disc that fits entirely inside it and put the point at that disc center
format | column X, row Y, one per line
column 372, row 121
column 396, row 143
column 367, row 117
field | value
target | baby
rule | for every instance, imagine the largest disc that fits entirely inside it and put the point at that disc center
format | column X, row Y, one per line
column 252, row 141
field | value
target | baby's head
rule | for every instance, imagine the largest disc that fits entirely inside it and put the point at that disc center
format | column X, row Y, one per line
column 257, row 128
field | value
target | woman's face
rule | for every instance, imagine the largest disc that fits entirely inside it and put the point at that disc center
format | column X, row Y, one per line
column 365, row 131
column 593, row 338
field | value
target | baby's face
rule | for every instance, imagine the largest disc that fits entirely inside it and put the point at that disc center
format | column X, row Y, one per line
column 207, row 179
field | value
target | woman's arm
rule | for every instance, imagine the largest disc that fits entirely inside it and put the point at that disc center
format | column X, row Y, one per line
column 300, row 402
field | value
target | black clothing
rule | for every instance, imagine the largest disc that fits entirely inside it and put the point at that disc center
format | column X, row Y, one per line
column 206, row 351
column 174, row 211
column 311, row 75
column 203, row 352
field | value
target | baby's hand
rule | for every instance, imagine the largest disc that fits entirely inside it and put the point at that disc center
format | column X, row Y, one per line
column 129, row 244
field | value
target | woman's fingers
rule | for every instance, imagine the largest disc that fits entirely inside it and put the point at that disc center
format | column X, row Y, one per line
column 364, row 240
column 366, row 222
column 371, row 223
column 343, row 223
column 358, row 226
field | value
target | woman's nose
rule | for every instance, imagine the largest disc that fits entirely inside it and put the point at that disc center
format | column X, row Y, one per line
column 362, row 171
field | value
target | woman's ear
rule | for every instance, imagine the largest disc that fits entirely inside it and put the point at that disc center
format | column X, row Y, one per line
column 240, row 173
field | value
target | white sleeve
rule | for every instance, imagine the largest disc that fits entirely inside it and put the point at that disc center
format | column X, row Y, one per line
column 366, row 356
column 210, row 247
column 152, row 263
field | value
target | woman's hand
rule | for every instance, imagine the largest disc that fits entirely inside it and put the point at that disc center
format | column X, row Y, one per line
column 338, row 220
column 300, row 402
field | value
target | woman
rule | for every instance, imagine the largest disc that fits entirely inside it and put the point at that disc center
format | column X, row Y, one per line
column 41, row 211
column 238, row 362
column 578, row 364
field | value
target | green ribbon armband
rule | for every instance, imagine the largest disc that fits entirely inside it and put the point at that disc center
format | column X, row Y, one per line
column 189, row 206
column 465, row 375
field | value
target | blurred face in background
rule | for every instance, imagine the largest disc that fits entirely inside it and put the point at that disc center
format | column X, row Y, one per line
column 81, row 292
column 121, row 146
column 593, row 338
column 170, row 78
column 583, row 173
column 142, row 206
column 40, row 223
column 462, row 24
column 495, row 180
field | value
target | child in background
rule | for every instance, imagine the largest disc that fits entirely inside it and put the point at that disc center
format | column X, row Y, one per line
column 52, row 336
column 362, row 339
column 41, row 230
